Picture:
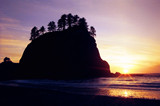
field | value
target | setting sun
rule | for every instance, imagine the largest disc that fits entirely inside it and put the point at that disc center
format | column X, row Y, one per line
column 125, row 71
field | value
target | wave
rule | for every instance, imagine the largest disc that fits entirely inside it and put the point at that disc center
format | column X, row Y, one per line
column 50, row 84
column 139, row 82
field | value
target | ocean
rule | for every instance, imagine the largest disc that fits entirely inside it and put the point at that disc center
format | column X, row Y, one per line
column 128, row 86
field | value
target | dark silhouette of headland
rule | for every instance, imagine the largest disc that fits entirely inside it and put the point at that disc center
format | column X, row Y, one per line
column 67, row 50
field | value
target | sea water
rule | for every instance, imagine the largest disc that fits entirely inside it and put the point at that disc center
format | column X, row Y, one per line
column 128, row 86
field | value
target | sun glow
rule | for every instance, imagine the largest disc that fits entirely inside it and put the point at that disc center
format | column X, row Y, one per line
column 126, row 63
column 125, row 71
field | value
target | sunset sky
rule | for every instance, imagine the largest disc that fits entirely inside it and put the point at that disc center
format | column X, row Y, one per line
column 128, row 31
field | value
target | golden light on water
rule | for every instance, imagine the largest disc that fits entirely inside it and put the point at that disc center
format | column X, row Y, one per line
column 128, row 93
column 125, row 94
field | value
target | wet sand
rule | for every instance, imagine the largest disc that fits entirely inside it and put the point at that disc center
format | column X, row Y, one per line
column 19, row 96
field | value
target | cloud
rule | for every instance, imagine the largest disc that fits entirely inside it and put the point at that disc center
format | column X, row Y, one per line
column 11, row 28
column 8, row 20
column 10, row 23
column 12, row 48
column 11, row 42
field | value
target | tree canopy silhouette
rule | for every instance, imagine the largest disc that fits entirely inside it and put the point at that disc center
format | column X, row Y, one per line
column 82, row 23
column 60, row 25
column 42, row 30
column 65, row 22
column 75, row 20
column 70, row 20
column 51, row 26
column 63, row 19
column 34, row 33
column 92, row 31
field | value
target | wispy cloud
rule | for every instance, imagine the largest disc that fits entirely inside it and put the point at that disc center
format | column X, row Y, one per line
column 12, row 42
column 7, row 23
column 8, row 20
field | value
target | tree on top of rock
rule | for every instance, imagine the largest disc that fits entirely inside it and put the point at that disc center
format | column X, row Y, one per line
column 34, row 33
column 92, row 31
column 63, row 19
column 51, row 26
column 42, row 30
column 60, row 25
column 70, row 20
column 75, row 19
column 82, row 23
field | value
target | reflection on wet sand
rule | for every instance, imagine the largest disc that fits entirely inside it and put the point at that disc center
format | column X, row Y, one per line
column 127, row 93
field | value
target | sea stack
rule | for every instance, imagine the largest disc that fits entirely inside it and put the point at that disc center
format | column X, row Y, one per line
column 68, row 54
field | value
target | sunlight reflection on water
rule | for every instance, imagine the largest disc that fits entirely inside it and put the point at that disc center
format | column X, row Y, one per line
column 127, row 93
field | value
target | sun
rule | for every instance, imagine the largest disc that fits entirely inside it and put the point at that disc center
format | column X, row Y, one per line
column 125, row 71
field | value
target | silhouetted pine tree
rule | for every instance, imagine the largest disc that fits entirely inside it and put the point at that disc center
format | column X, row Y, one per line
column 37, row 33
column 75, row 19
column 69, row 20
column 51, row 26
column 63, row 18
column 60, row 25
column 42, row 30
column 92, row 31
column 34, row 33
column 82, row 23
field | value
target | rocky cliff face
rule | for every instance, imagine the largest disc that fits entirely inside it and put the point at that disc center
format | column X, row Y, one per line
column 67, row 54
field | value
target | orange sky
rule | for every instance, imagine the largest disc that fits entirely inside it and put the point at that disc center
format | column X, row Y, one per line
column 128, row 32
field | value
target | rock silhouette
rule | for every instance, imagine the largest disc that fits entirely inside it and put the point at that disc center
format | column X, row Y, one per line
column 8, row 69
column 67, row 54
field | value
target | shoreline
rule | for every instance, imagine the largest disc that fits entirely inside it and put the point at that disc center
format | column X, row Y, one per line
column 20, row 96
